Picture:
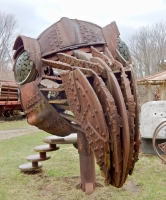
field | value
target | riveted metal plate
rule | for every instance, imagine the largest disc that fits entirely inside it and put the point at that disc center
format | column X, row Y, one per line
column 162, row 146
column 127, row 95
column 81, row 63
column 95, row 87
column 114, row 88
column 111, row 33
column 113, row 124
column 89, row 115
column 56, row 38
column 40, row 113
column 137, row 137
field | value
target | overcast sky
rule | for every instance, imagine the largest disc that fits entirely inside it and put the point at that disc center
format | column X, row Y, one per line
column 34, row 16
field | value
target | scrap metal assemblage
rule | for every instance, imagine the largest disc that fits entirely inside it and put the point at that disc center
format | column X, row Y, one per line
column 93, row 93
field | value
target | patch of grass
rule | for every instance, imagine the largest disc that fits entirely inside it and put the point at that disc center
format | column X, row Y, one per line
column 61, row 173
column 8, row 125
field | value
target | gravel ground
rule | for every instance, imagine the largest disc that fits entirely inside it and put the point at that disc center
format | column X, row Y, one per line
column 6, row 134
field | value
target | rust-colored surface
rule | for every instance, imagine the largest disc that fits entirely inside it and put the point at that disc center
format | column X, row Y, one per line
column 57, row 38
column 114, row 88
column 87, row 164
column 162, row 146
column 112, row 119
column 88, row 112
column 111, row 33
column 41, row 114
column 77, row 70
column 137, row 138
column 9, row 99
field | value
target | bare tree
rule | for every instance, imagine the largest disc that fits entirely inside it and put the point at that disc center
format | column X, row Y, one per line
column 8, row 27
column 148, row 47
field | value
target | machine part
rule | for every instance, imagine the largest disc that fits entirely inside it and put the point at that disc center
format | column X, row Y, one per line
column 24, row 71
column 82, row 63
column 41, row 114
column 56, row 38
column 87, row 164
column 111, row 33
column 162, row 145
column 95, row 83
column 28, row 167
column 137, row 137
column 42, row 155
column 70, row 139
column 32, row 46
column 127, row 95
column 112, row 119
column 89, row 115
column 114, row 88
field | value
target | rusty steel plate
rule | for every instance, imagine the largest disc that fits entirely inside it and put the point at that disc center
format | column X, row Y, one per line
column 137, row 137
column 56, row 38
column 89, row 114
column 40, row 113
column 125, row 86
column 115, row 90
column 112, row 120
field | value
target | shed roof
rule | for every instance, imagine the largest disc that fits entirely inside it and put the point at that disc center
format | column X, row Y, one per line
column 156, row 78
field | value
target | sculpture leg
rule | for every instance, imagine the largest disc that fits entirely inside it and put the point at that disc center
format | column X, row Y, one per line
column 87, row 165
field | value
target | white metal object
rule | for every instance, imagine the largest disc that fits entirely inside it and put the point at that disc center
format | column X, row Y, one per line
column 152, row 114
column 70, row 139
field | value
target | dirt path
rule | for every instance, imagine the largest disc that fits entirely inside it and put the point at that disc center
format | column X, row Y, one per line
column 6, row 134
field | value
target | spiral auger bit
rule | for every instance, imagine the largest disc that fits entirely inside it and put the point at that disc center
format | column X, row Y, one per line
column 93, row 92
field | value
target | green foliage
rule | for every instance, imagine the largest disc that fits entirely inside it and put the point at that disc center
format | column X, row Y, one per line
column 7, row 125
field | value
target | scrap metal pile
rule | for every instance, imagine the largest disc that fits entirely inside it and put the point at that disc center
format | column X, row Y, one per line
column 8, row 98
column 92, row 77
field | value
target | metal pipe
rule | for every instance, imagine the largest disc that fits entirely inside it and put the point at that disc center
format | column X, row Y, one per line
column 87, row 165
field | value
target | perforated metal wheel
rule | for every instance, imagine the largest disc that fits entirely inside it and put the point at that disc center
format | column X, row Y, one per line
column 24, row 70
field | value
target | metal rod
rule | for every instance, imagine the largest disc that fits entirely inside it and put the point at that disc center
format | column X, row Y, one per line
column 42, row 154
column 52, row 77
column 87, row 165
column 8, row 98
column 8, row 92
column 53, row 146
column 34, row 164
column 53, row 89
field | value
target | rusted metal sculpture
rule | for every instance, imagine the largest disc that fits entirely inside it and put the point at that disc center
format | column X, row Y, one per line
column 9, row 101
column 94, row 79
